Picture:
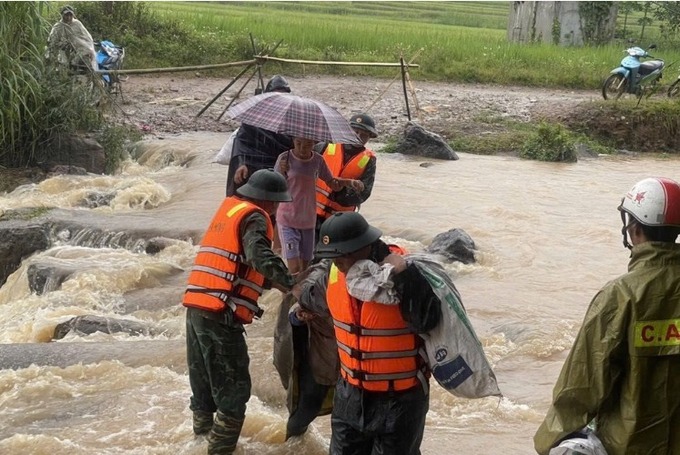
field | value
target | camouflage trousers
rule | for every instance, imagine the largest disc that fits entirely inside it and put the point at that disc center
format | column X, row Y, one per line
column 218, row 362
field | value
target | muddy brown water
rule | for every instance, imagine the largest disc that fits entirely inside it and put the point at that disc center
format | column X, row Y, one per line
column 548, row 236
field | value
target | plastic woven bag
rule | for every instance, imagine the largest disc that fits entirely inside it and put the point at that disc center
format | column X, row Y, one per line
column 455, row 354
column 224, row 155
column 588, row 444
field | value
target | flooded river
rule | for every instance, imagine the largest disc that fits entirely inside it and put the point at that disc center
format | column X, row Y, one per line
column 548, row 236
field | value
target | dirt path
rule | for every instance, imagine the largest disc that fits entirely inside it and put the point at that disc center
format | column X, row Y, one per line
column 165, row 104
column 169, row 103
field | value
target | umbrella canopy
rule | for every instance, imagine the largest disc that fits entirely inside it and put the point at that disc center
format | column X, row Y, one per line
column 295, row 116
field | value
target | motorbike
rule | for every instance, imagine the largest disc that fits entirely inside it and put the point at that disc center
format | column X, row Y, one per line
column 634, row 76
column 110, row 57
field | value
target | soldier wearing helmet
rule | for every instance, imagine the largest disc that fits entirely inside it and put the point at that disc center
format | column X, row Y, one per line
column 348, row 161
column 256, row 148
column 277, row 83
column 234, row 264
column 623, row 370
column 381, row 398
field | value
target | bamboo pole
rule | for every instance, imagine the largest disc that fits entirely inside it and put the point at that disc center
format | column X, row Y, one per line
column 413, row 93
column 379, row 97
column 260, row 63
column 239, row 92
column 248, row 62
column 260, row 80
column 243, row 71
column 315, row 62
column 177, row 68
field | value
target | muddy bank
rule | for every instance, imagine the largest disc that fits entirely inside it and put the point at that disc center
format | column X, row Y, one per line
column 170, row 103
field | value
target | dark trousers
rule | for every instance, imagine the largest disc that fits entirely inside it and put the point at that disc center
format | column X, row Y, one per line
column 311, row 395
column 375, row 423
column 218, row 362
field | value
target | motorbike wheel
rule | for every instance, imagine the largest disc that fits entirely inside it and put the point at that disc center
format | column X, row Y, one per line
column 614, row 86
column 674, row 89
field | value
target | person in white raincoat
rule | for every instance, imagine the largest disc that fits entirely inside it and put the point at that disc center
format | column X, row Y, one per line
column 69, row 41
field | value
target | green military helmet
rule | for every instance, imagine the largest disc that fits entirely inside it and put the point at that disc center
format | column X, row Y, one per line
column 344, row 233
column 265, row 185
column 277, row 83
column 364, row 122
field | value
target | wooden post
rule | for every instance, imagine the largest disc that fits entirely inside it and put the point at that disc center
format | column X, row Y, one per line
column 224, row 89
column 260, row 81
column 403, row 83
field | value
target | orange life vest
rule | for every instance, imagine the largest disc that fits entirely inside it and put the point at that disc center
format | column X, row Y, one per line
column 334, row 155
column 220, row 277
column 396, row 249
column 378, row 352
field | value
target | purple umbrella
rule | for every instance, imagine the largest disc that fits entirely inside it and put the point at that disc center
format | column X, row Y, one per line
column 295, row 116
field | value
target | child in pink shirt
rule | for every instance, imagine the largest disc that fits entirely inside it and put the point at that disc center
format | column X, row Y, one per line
column 296, row 220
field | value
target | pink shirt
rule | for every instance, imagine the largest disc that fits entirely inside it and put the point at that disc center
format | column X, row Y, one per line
column 301, row 178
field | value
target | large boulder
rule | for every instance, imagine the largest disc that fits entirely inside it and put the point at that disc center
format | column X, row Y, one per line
column 44, row 278
column 18, row 243
column 77, row 151
column 454, row 245
column 418, row 141
column 162, row 353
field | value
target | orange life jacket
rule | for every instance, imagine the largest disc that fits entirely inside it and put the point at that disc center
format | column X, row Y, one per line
column 220, row 277
column 396, row 249
column 334, row 155
column 378, row 352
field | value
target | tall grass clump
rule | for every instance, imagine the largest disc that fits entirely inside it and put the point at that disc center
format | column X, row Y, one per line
column 36, row 100
column 550, row 142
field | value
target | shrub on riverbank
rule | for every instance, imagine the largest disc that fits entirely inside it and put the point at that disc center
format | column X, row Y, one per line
column 550, row 142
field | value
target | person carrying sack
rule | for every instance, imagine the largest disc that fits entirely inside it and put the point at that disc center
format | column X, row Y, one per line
column 382, row 395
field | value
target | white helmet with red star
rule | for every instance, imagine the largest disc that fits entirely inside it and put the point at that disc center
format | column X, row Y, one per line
column 653, row 202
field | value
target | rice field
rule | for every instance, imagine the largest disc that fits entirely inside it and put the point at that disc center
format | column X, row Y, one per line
column 458, row 41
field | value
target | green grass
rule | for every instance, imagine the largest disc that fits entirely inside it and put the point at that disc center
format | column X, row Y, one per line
column 460, row 41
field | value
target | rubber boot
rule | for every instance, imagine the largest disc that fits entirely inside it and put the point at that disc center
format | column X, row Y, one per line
column 224, row 435
column 202, row 422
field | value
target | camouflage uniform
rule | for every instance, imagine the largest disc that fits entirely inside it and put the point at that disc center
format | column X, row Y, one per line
column 217, row 353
